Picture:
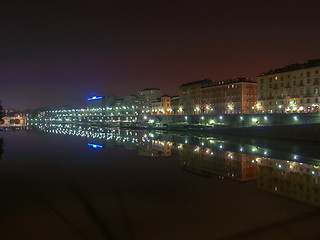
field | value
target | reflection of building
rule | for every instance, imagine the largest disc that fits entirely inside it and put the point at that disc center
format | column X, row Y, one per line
column 204, row 161
column 146, row 97
column 294, row 88
column 299, row 181
column 148, row 151
column 96, row 102
column 162, row 106
column 164, row 147
column 230, row 96
column 190, row 97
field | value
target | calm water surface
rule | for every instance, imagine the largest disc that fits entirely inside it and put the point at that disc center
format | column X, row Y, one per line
column 76, row 182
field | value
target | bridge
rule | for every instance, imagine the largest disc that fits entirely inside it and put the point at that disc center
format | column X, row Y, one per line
column 16, row 121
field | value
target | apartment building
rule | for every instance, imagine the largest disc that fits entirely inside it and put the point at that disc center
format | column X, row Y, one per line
column 294, row 88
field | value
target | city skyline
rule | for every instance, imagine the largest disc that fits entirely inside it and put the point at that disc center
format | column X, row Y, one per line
column 56, row 54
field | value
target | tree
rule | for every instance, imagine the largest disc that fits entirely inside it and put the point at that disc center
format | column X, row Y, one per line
column 1, row 113
column 1, row 147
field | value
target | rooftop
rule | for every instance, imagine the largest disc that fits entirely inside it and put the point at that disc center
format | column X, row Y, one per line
column 202, row 82
column 230, row 81
column 148, row 89
column 293, row 67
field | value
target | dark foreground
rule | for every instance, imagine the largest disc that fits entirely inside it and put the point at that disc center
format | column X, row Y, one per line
column 56, row 186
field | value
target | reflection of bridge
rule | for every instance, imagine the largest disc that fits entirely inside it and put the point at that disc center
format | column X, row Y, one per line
column 13, row 121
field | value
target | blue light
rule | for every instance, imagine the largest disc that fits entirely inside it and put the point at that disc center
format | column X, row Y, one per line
column 94, row 98
column 95, row 145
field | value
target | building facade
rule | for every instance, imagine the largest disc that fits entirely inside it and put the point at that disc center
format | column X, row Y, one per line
column 175, row 104
column 96, row 102
column 130, row 101
column 228, row 97
column 294, row 88
column 146, row 97
column 162, row 106
column 190, row 96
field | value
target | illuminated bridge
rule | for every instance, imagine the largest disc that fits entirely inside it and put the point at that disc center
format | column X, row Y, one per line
column 16, row 121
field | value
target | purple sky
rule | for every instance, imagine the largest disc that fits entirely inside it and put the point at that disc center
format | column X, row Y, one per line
column 59, row 53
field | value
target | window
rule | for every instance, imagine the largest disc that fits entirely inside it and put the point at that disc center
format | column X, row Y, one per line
column 308, row 80
column 308, row 91
column 301, row 91
column 316, row 90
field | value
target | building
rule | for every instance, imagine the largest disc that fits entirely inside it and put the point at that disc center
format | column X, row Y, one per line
column 175, row 104
column 228, row 97
column 294, row 88
column 130, row 101
column 189, row 96
column 146, row 97
column 162, row 106
column 110, row 100
column 96, row 102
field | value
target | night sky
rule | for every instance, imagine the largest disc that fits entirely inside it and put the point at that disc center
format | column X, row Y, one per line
column 55, row 53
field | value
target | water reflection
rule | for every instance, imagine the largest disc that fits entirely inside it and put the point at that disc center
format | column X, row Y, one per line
column 1, row 147
column 289, row 174
column 291, row 179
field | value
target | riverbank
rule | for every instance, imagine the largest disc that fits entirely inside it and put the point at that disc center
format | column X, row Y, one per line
column 301, row 132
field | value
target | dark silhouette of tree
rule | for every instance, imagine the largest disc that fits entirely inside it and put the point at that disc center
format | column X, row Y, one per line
column 1, row 113
column 1, row 147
